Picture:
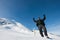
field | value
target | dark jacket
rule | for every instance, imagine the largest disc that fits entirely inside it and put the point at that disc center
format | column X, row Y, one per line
column 40, row 21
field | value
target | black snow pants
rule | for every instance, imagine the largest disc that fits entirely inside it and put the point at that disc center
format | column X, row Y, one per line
column 40, row 27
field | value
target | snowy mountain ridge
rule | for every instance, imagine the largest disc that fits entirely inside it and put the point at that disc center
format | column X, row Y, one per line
column 6, row 24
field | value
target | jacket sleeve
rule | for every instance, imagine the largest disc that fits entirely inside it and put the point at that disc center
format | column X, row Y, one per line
column 34, row 20
column 44, row 17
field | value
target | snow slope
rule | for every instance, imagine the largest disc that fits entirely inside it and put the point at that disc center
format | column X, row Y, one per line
column 12, row 35
column 6, row 24
column 52, row 36
column 12, row 30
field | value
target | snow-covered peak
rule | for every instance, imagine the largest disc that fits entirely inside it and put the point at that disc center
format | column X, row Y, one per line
column 6, row 24
column 4, row 21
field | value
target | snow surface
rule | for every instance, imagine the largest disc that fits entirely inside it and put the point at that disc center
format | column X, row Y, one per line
column 12, row 35
column 12, row 30
column 6, row 24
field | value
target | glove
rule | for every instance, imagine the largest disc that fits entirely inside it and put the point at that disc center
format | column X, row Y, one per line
column 44, row 15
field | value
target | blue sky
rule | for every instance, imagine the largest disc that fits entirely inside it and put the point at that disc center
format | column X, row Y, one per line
column 24, row 10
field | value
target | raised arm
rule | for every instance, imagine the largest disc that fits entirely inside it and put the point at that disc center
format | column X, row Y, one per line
column 44, row 17
column 34, row 20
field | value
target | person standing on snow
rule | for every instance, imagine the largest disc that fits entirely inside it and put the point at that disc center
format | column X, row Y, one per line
column 41, row 25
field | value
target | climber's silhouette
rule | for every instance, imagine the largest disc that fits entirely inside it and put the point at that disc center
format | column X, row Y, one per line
column 41, row 25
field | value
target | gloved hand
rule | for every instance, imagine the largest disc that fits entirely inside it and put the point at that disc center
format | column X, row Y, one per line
column 44, row 15
column 33, row 18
